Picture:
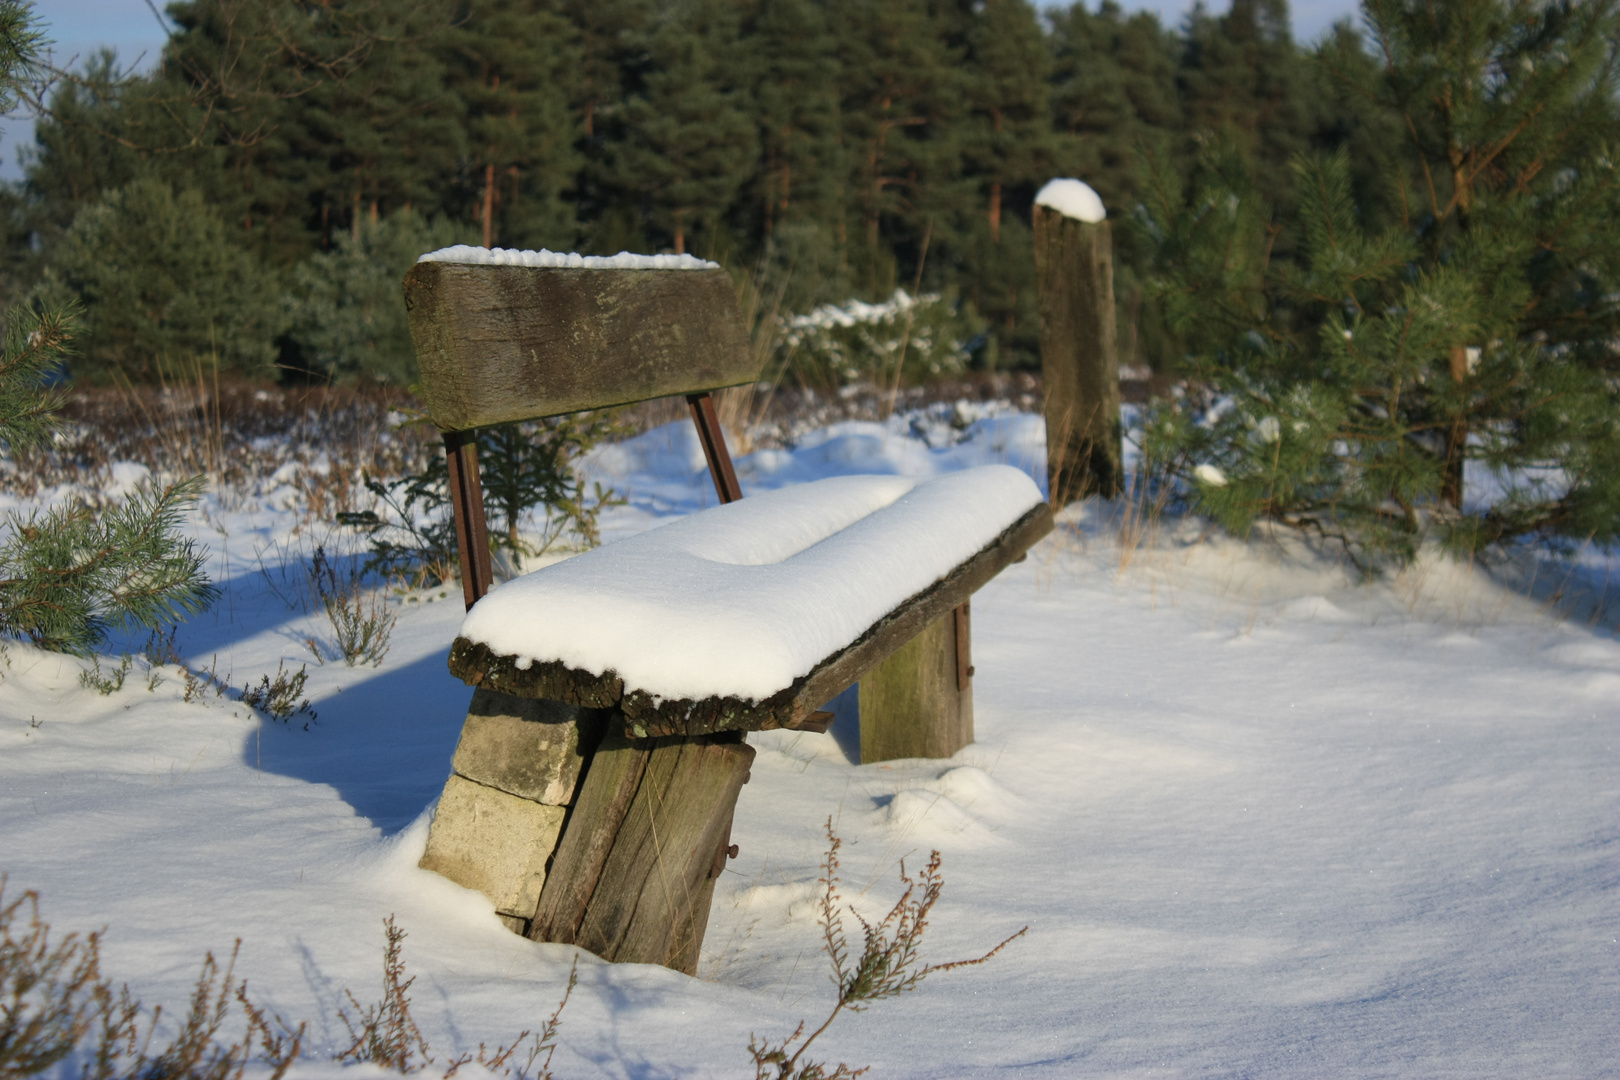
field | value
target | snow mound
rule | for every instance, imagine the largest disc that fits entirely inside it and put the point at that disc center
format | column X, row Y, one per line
column 482, row 256
column 740, row 600
column 1073, row 199
column 926, row 817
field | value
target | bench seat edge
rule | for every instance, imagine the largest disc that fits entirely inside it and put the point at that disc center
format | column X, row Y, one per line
column 644, row 716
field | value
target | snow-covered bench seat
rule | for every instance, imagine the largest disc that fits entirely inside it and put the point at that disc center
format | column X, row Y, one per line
column 753, row 614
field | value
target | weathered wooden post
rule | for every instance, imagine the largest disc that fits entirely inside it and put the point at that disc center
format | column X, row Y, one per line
column 1074, row 267
column 919, row 702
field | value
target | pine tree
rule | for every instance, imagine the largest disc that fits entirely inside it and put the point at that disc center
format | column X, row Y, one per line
column 1008, row 152
column 1120, row 118
column 162, row 283
column 1361, row 376
column 686, row 145
column 511, row 62
column 345, row 312
column 1114, row 97
column 71, row 574
column 898, row 103
column 81, row 150
column 1240, row 78
column 796, row 190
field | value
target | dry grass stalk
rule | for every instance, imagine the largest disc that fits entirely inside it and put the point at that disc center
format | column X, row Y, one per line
column 1142, row 514
column 237, row 433
column 386, row 1034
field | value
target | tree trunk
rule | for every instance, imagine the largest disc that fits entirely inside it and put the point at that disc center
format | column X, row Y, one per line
column 489, row 204
column 1451, row 474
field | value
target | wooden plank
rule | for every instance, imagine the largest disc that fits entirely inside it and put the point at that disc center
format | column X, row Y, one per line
column 501, row 343
column 1079, row 358
column 645, row 716
column 651, row 903
column 611, row 780
column 713, row 438
column 467, row 507
column 911, row 705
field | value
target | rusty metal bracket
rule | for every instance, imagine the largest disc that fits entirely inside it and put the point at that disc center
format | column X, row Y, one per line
column 467, row 504
column 964, row 645
column 713, row 438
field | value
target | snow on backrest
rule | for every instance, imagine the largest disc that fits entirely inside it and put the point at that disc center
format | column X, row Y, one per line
column 741, row 599
column 483, row 256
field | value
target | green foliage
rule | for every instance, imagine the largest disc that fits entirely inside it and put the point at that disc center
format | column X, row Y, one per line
column 834, row 148
column 345, row 311
column 686, row 145
column 523, row 468
column 1352, row 381
column 20, row 42
column 903, row 341
column 413, row 536
column 161, row 281
column 71, row 574
column 35, row 344
column 534, row 466
column 514, row 62
column 105, row 682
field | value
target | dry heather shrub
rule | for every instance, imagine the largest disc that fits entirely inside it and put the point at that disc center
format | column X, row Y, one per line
column 386, row 1034
column 889, row 964
column 54, row 1004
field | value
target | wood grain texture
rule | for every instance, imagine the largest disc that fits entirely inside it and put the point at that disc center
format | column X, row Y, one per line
column 611, row 780
column 651, row 903
column 633, row 877
column 643, row 716
column 911, row 706
column 502, row 343
column 1079, row 359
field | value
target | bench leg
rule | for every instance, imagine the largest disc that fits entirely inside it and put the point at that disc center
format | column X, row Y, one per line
column 634, row 872
column 919, row 702
column 610, row 844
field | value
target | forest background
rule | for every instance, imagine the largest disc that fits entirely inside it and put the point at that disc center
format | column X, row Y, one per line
column 255, row 197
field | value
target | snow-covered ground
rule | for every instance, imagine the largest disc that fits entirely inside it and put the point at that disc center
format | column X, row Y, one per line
column 1260, row 820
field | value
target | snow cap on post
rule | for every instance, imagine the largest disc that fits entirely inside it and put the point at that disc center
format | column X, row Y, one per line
column 1073, row 199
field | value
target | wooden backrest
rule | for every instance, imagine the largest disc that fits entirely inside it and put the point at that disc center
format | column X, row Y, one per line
column 502, row 343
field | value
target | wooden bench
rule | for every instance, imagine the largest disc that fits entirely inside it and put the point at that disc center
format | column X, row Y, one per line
column 592, row 791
